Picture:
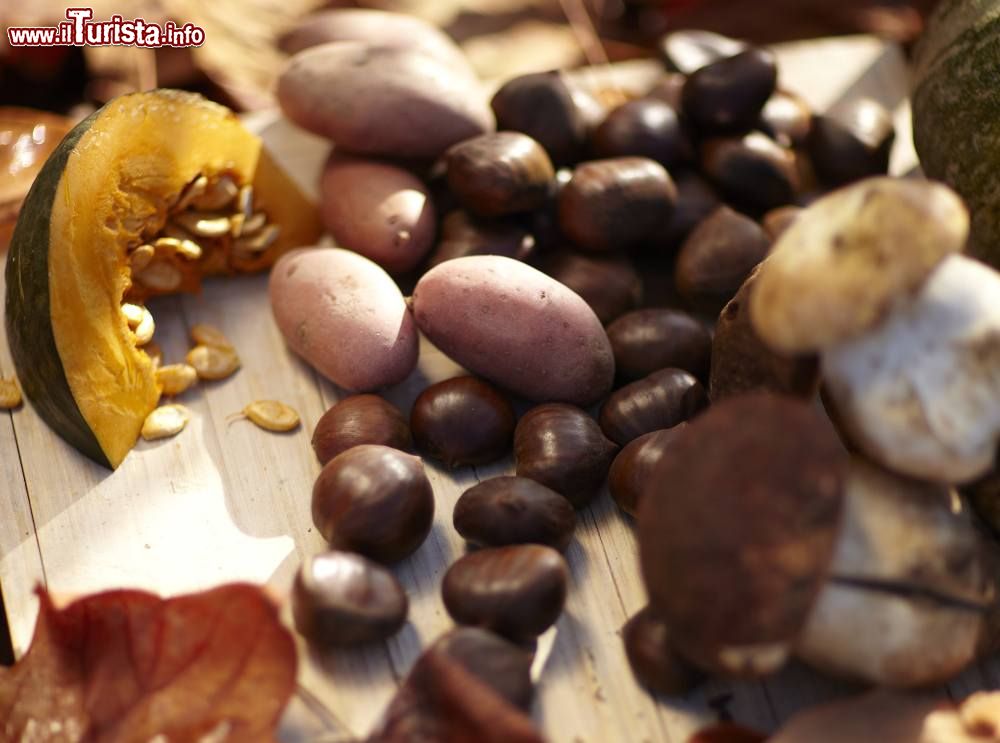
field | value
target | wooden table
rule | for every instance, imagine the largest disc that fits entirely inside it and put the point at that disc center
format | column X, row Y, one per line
column 225, row 501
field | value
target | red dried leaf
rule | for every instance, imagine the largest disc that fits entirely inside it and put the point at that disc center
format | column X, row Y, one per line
column 727, row 732
column 127, row 666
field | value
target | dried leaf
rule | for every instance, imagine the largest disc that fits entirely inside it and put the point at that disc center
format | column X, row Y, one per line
column 726, row 732
column 128, row 666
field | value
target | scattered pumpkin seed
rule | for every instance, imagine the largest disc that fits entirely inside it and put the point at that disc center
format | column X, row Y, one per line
column 160, row 275
column 244, row 201
column 220, row 193
column 133, row 314
column 236, row 224
column 271, row 415
column 190, row 192
column 181, row 246
column 212, row 362
column 145, row 329
column 204, row 334
column 254, row 223
column 165, row 421
column 204, row 224
column 10, row 393
column 176, row 378
column 139, row 258
column 257, row 243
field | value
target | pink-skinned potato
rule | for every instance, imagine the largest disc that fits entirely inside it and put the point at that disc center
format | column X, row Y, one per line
column 345, row 316
column 512, row 324
column 376, row 209
column 382, row 100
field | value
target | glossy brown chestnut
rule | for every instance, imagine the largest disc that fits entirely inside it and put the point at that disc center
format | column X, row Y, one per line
column 462, row 235
column 499, row 173
column 753, row 171
column 542, row 106
column 514, row 510
column 463, row 421
column 655, row 663
column 609, row 284
column 645, row 127
column 563, row 448
column 669, row 89
column 650, row 339
column 661, row 400
column 517, row 591
column 373, row 500
column 786, row 118
column 616, row 203
column 852, row 141
column 776, row 221
column 630, row 472
column 742, row 362
column 727, row 95
column 359, row 419
column 717, row 257
column 342, row 599
column 495, row 661
column 696, row 199
column 691, row 49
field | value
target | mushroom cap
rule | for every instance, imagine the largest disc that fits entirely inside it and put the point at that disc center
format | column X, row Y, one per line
column 921, row 392
column 737, row 527
column 842, row 264
column 899, row 608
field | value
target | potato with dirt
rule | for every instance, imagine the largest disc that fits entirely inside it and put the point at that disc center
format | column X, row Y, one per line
column 345, row 316
column 517, row 327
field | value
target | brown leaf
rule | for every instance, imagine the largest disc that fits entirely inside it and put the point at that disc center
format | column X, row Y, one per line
column 726, row 732
column 126, row 666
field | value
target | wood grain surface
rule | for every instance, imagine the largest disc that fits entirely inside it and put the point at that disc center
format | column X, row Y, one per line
column 225, row 501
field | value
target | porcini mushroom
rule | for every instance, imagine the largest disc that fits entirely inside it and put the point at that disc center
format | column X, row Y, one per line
column 908, row 589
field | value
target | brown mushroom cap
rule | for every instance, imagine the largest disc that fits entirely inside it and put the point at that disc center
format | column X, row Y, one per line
column 838, row 269
column 735, row 551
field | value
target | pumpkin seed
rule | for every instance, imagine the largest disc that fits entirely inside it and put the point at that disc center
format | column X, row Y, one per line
column 145, row 329
column 244, row 201
column 212, row 362
column 176, row 378
column 254, row 223
column 204, row 224
column 219, row 193
column 10, row 393
column 164, row 421
column 236, row 224
column 160, row 275
column 181, row 246
column 272, row 415
column 133, row 314
column 139, row 258
column 250, row 246
column 204, row 334
column 190, row 192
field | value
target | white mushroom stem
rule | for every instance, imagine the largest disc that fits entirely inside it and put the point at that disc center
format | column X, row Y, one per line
column 920, row 392
column 904, row 605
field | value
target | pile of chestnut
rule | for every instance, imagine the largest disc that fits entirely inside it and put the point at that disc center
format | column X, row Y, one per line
column 591, row 259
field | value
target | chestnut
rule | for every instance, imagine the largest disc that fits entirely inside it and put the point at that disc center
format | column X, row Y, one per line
column 373, row 500
column 851, row 141
column 517, row 591
column 462, row 235
column 691, row 49
column 668, row 89
column 462, row 421
column 609, row 284
column 655, row 338
column 742, row 362
column 737, row 530
column 661, row 400
column 542, row 106
column 717, row 257
column 359, row 419
column 514, row 510
column 696, row 199
column 632, row 468
column 344, row 599
column 645, row 127
column 616, row 203
column 499, row 173
column 786, row 118
column 655, row 663
column 752, row 171
column 563, row 448
column 495, row 661
column 727, row 95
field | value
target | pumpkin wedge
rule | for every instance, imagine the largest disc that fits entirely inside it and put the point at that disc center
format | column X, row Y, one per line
column 145, row 197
